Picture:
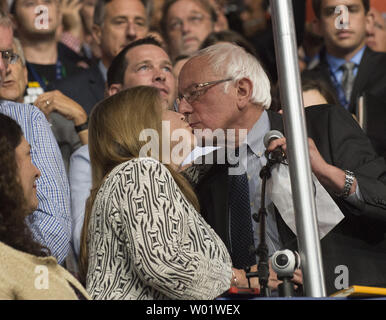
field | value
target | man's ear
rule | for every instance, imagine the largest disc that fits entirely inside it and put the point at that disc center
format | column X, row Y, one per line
column 15, row 24
column 25, row 74
column 317, row 26
column 370, row 20
column 244, row 88
column 97, row 34
column 114, row 89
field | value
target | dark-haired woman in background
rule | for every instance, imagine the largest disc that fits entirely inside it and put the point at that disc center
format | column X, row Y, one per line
column 27, row 271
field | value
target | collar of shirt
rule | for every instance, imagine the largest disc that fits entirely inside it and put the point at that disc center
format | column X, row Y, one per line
column 102, row 69
column 255, row 138
column 335, row 63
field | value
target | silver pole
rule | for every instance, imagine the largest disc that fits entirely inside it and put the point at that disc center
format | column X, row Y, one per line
column 298, row 155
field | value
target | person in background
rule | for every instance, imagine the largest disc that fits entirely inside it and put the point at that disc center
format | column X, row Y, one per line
column 185, row 24
column 77, row 28
column 376, row 34
column 351, row 67
column 116, row 24
column 47, row 59
column 64, row 114
column 222, row 21
column 51, row 222
column 142, row 62
column 21, row 256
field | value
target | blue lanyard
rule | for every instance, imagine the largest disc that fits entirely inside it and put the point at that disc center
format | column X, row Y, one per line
column 38, row 78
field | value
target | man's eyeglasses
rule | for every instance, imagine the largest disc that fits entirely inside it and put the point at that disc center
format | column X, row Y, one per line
column 197, row 91
column 194, row 20
column 9, row 57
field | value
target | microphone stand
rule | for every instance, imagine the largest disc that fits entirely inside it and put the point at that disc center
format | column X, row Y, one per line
column 262, row 250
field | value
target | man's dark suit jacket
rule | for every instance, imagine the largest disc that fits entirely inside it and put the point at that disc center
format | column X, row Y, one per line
column 371, row 83
column 358, row 242
column 86, row 88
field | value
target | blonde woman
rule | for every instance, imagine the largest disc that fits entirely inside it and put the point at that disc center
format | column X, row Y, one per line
column 143, row 237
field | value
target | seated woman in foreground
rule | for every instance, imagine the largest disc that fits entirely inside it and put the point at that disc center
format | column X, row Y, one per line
column 27, row 272
column 143, row 237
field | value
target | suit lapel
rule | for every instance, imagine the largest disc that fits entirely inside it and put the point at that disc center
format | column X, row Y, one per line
column 276, row 121
column 213, row 194
column 96, row 82
column 364, row 74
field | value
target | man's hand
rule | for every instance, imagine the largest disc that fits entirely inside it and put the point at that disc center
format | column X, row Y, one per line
column 273, row 281
column 332, row 178
column 72, row 21
column 56, row 101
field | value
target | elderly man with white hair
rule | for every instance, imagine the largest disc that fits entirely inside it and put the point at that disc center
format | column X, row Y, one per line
column 224, row 87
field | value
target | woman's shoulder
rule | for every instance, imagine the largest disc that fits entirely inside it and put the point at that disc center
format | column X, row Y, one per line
column 138, row 163
column 140, row 169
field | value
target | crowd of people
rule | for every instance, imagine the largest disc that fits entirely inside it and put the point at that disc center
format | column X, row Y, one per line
column 95, row 194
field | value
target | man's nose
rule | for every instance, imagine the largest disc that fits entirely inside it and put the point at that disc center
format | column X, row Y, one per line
column 159, row 75
column 131, row 31
column 184, row 107
column 185, row 28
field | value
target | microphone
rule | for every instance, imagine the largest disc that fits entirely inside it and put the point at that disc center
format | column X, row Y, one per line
column 276, row 155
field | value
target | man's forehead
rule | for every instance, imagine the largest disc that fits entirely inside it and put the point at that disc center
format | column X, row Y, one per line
column 186, row 7
column 194, row 71
column 147, row 52
column 6, row 38
column 135, row 8
column 334, row 3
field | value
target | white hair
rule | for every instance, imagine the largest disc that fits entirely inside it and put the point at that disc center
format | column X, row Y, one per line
column 19, row 50
column 232, row 61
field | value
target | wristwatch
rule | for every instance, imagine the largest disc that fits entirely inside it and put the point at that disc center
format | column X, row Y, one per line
column 81, row 127
column 349, row 180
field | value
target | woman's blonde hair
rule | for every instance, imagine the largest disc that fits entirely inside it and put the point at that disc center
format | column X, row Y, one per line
column 114, row 132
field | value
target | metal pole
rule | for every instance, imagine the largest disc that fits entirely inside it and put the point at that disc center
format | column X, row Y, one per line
column 297, row 151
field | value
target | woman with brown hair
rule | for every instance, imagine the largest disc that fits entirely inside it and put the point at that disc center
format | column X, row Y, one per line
column 143, row 237
column 27, row 271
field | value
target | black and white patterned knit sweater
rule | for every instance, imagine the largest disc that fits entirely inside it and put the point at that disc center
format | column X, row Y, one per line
column 146, row 241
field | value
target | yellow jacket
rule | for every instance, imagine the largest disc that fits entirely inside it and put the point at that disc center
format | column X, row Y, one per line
column 27, row 277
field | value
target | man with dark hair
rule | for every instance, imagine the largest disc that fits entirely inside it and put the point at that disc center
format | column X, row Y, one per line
column 142, row 62
column 116, row 24
column 317, row 6
column 353, row 69
column 47, row 59
column 186, row 24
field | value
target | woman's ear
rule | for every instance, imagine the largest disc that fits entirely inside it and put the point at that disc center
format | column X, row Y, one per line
column 244, row 88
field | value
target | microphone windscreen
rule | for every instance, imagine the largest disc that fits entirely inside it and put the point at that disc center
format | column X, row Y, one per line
column 272, row 135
